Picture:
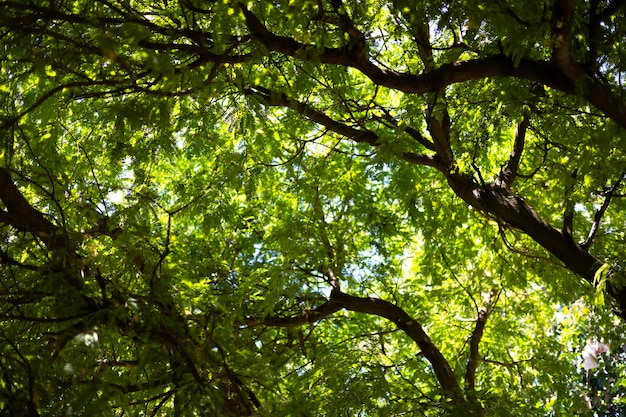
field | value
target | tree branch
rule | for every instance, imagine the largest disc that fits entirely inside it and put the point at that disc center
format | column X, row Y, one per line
column 596, row 92
column 21, row 215
column 414, row 133
column 5, row 259
column 429, row 82
column 593, row 26
column 568, row 215
column 272, row 98
column 562, row 20
column 546, row 73
column 439, row 126
column 474, row 357
column 597, row 218
column 306, row 316
column 357, row 44
column 479, row 328
column 489, row 198
column 410, row 327
column 374, row 306
column 514, row 211
column 549, row 74
column 415, row 21
column 508, row 175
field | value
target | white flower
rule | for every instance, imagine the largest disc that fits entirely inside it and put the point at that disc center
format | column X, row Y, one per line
column 591, row 352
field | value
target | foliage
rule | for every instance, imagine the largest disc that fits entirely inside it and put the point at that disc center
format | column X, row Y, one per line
column 300, row 208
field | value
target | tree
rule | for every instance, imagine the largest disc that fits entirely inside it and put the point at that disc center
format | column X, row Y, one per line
column 309, row 207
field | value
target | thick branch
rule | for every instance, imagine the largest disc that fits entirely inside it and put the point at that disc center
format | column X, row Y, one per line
column 381, row 308
column 414, row 133
column 291, row 47
column 596, row 92
column 5, row 259
column 21, row 215
column 24, row 217
column 562, row 20
column 430, row 82
column 549, row 74
column 515, row 212
column 490, row 198
column 439, row 127
column 593, row 27
column 415, row 20
column 353, row 54
column 272, row 98
column 357, row 44
column 411, row 327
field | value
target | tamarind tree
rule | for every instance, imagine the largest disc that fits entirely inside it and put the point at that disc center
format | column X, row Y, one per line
column 310, row 207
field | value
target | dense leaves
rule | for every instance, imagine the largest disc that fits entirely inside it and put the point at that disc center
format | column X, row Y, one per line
column 310, row 208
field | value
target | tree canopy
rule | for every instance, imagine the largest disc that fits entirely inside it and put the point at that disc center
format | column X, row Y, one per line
column 312, row 207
